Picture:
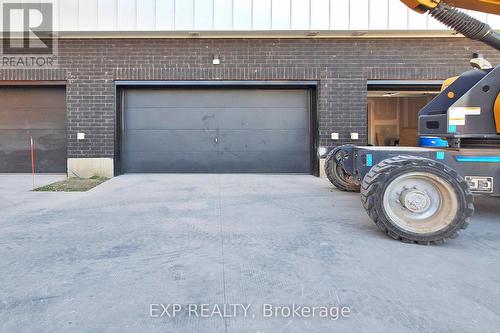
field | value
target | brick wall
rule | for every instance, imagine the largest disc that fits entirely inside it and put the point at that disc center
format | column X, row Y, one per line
column 342, row 67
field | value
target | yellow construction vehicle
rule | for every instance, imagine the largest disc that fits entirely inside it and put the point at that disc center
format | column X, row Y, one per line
column 485, row 6
column 425, row 195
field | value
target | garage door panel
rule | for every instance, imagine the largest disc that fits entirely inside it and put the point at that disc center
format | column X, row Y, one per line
column 263, row 140
column 267, row 119
column 169, row 140
column 205, row 98
column 210, row 141
column 50, row 151
column 33, row 111
column 23, row 97
column 213, row 118
column 26, row 118
column 19, row 162
column 170, row 118
column 222, row 162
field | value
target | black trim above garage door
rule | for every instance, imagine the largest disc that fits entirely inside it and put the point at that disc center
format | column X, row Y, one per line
column 404, row 85
column 211, row 84
column 310, row 86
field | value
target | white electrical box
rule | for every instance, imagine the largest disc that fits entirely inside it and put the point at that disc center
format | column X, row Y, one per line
column 335, row 136
column 354, row 136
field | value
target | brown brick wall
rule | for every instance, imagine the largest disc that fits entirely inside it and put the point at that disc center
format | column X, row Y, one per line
column 342, row 67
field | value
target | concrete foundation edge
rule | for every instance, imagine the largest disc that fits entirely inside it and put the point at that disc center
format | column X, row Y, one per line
column 322, row 173
column 89, row 167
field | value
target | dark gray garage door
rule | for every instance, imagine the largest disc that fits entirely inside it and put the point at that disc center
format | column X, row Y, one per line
column 216, row 130
column 36, row 111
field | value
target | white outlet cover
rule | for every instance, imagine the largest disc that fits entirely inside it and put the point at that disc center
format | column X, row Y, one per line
column 80, row 136
column 335, row 136
column 354, row 136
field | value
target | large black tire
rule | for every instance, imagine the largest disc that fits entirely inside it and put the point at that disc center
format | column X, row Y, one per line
column 336, row 175
column 453, row 210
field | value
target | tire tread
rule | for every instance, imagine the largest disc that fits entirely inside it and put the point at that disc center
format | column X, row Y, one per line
column 340, row 184
column 379, row 174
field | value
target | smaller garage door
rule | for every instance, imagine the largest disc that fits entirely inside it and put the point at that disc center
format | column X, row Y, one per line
column 33, row 111
column 216, row 130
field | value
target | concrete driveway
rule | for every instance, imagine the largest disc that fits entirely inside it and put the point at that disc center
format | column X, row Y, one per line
column 97, row 261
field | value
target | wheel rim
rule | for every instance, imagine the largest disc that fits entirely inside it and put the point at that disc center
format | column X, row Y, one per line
column 420, row 202
column 339, row 174
column 338, row 171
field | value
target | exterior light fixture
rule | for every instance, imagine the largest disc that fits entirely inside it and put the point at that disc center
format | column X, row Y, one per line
column 390, row 94
column 358, row 33
column 312, row 33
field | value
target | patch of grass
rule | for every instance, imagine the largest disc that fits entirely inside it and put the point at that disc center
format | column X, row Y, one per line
column 73, row 185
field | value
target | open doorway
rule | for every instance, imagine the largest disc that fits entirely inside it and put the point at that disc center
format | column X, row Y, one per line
column 393, row 114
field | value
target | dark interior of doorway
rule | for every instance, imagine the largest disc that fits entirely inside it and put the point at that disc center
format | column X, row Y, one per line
column 393, row 112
